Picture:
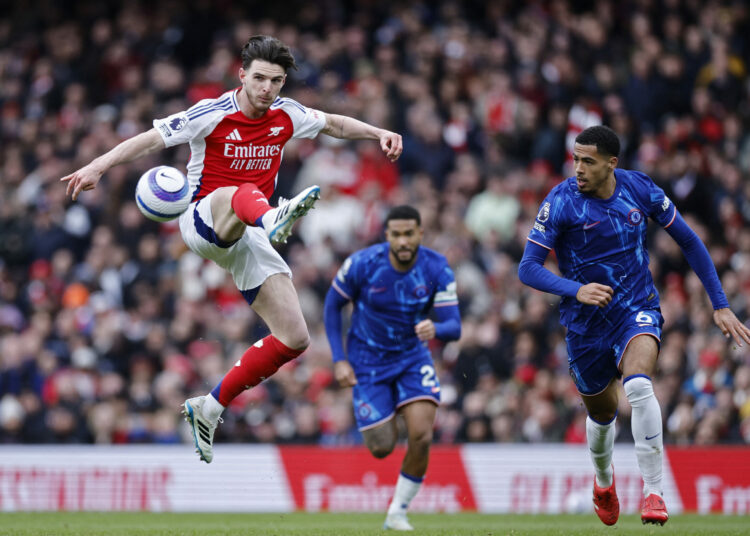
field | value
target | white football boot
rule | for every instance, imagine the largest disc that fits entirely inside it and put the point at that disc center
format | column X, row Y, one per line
column 202, row 428
column 397, row 521
column 278, row 221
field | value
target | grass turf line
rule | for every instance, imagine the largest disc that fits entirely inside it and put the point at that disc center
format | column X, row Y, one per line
column 353, row 524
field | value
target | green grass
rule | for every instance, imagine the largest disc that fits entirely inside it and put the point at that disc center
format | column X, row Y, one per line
column 142, row 524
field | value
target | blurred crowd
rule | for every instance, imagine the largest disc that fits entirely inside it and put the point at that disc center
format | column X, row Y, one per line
column 108, row 322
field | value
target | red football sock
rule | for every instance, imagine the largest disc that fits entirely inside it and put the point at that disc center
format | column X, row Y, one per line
column 249, row 204
column 258, row 362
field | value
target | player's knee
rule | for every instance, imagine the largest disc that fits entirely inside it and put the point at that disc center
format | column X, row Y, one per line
column 602, row 417
column 421, row 438
column 381, row 450
column 300, row 341
column 638, row 389
column 423, row 434
column 379, row 443
column 297, row 338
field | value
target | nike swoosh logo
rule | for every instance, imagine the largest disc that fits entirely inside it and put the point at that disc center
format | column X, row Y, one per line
column 590, row 225
column 653, row 436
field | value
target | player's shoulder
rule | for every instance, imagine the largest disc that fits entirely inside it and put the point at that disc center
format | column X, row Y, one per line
column 223, row 104
column 430, row 257
column 565, row 189
column 634, row 177
column 288, row 105
column 370, row 255
column 640, row 185
column 561, row 195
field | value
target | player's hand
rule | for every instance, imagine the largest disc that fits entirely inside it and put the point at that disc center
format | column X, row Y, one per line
column 85, row 178
column 731, row 327
column 595, row 294
column 391, row 144
column 344, row 374
column 425, row 330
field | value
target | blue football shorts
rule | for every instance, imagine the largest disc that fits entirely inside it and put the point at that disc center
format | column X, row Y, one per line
column 595, row 359
column 385, row 385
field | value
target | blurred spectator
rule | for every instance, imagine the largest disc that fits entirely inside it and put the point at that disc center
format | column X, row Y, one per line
column 107, row 321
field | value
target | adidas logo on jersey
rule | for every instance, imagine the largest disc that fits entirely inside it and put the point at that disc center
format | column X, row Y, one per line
column 234, row 135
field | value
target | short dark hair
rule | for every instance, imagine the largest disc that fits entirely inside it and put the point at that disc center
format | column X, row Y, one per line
column 267, row 48
column 403, row 212
column 605, row 139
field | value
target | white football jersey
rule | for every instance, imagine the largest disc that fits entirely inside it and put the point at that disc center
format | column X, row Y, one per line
column 227, row 148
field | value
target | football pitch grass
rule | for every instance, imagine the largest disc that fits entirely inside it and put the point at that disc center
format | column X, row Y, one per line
column 304, row 524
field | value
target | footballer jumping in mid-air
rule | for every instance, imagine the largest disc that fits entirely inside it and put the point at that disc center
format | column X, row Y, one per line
column 393, row 286
column 596, row 223
column 236, row 144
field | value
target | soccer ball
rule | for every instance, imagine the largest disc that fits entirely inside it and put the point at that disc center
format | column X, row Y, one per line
column 162, row 193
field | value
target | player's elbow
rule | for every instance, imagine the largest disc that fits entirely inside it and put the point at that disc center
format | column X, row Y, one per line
column 449, row 330
column 523, row 272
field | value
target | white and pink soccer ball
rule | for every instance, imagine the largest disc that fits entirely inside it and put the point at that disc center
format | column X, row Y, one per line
column 162, row 193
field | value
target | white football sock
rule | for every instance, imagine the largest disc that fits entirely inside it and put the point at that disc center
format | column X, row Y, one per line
column 212, row 410
column 406, row 489
column 601, row 440
column 647, row 431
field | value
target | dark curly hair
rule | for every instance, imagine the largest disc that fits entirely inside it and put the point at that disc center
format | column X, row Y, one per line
column 606, row 140
column 403, row 212
column 267, row 48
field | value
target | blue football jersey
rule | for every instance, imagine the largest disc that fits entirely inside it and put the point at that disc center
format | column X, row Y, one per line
column 388, row 303
column 604, row 241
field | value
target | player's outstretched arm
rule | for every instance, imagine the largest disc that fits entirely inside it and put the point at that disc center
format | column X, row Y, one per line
column 133, row 148
column 700, row 261
column 731, row 326
column 348, row 128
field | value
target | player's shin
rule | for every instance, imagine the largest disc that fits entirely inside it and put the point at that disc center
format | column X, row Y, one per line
column 601, row 440
column 259, row 362
column 647, row 431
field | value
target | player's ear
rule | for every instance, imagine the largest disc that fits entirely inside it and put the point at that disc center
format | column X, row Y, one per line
column 612, row 162
column 242, row 74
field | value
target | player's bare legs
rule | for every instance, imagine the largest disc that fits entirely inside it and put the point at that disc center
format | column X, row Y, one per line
column 278, row 305
column 640, row 356
column 227, row 225
column 382, row 439
column 602, row 406
column 420, row 418
column 638, row 364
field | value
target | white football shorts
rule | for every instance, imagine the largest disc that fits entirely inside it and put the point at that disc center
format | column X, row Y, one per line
column 251, row 259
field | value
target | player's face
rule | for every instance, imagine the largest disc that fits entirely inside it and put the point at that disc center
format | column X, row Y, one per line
column 262, row 82
column 404, row 237
column 594, row 171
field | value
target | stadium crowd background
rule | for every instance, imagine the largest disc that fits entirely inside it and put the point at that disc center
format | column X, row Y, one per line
column 107, row 321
